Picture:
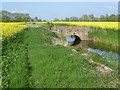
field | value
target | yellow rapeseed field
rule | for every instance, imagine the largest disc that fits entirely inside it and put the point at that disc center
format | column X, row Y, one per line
column 8, row 29
column 108, row 25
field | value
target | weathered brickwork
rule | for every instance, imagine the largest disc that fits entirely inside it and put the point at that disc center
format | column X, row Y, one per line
column 81, row 32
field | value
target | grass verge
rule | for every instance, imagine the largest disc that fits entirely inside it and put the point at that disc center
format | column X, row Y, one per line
column 107, row 36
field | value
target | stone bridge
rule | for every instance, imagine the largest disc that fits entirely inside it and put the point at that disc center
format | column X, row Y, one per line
column 81, row 32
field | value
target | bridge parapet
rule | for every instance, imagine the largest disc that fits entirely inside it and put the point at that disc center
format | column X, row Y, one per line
column 81, row 32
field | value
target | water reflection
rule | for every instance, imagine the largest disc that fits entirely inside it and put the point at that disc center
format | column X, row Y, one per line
column 100, row 48
column 108, row 54
column 70, row 38
column 52, row 28
column 73, row 40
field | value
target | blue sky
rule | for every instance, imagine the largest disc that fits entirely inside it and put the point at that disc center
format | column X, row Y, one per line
column 51, row 10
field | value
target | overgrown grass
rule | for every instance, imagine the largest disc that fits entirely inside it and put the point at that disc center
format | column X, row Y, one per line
column 103, row 46
column 14, row 71
column 107, row 36
column 31, row 61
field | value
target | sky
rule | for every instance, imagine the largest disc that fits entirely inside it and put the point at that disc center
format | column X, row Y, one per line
column 60, row 0
column 50, row 10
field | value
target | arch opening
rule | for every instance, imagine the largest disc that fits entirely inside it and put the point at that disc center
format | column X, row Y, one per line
column 73, row 40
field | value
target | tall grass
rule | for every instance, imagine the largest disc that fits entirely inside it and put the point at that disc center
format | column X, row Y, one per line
column 14, row 71
column 107, row 36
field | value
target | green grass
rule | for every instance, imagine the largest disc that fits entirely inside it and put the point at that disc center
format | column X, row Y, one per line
column 14, row 62
column 107, row 36
column 31, row 61
column 103, row 46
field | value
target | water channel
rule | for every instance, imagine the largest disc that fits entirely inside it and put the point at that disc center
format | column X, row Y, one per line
column 92, row 46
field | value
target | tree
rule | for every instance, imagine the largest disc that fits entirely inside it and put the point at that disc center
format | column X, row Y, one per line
column 113, row 18
column 14, row 17
column 85, row 17
column 107, row 17
column 32, row 20
column 102, row 18
column 36, row 19
column 5, row 19
column 6, row 16
column 91, row 17
column 96, row 19
column 56, row 19
column 39, row 20
column 118, row 18
column 67, row 19
column 18, row 18
column 81, row 19
column 74, row 19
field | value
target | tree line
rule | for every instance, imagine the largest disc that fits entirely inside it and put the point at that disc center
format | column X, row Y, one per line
column 91, row 18
column 6, row 16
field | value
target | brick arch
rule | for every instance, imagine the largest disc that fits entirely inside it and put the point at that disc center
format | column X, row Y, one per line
column 73, row 34
column 81, row 32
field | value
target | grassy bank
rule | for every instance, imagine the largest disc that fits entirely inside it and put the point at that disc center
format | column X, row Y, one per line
column 107, row 36
column 14, row 62
column 103, row 46
column 31, row 61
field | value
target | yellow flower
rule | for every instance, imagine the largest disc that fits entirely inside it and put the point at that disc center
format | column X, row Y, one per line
column 8, row 29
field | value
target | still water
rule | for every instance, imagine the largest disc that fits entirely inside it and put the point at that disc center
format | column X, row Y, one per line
column 92, row 46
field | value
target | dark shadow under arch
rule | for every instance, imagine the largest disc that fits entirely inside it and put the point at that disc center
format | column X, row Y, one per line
column 77, row 41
